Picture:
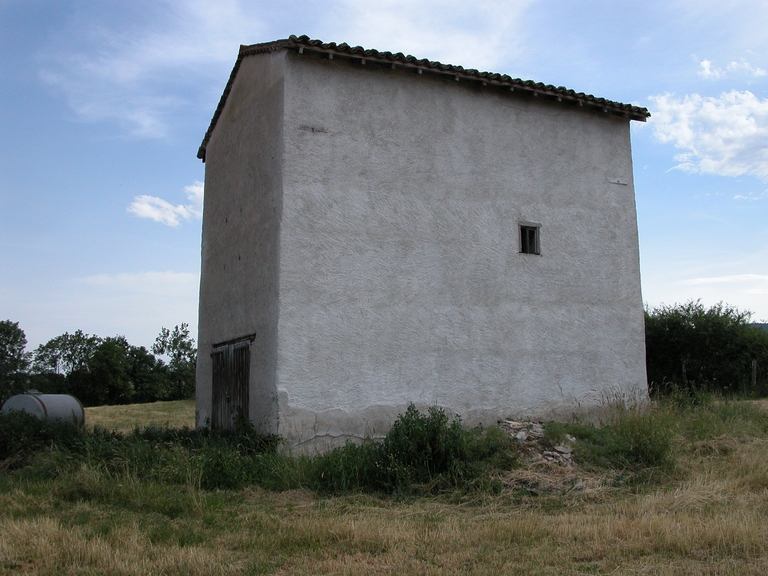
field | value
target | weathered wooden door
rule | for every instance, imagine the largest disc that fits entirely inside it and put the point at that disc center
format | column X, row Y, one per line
column 231, row 363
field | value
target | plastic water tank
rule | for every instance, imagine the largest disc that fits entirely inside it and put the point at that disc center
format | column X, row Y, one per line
column 48, row 407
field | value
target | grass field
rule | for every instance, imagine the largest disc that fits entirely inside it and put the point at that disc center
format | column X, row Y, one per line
column 703, row 514
column 127, row 417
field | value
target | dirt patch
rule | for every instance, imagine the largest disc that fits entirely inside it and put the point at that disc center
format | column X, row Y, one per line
column 547, row 478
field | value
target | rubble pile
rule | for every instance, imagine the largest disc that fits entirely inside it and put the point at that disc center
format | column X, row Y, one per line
column 535, row 445
column 549, row 468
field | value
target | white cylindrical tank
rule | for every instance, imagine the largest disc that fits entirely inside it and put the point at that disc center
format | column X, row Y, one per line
column 48, row 407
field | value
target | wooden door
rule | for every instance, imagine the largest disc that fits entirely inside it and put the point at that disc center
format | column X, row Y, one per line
column 231, row 370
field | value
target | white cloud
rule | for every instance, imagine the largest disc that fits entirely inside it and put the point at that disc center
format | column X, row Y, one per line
column 481, row 34
column 166, row 213
column 727, row 135
column 133, row 73
column 709, row 72
column 752, row 197
column 746, row 67
column 164, row 56
column 706, row 70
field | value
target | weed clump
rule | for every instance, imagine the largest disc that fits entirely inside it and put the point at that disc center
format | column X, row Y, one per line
column 631, row 440
column 22, row 435
column 429, row 451
column 224, row 459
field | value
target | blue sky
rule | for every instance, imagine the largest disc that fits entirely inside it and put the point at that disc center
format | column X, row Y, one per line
column 103, row 105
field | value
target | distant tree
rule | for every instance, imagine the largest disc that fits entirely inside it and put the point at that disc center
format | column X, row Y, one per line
column 48, row 383
column 148, row 374
column 60, row 366
column 180, row 349
column 691, row 347
column 14, row 359
column 109, row 372
column 66, row 353
column 79, row 384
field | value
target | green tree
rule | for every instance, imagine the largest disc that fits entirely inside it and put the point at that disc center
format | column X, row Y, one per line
column 66, row 353
column 109, row 372
column 180, row 349
column 48, row 383
column 14, row 359
column 692, row 347
column 69, row 356
column 148, row 374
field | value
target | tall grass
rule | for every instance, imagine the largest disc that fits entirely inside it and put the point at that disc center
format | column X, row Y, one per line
column 430, row 451
column 642, row 443
column 22, row 435
column 631, row 439
column 153, row 501
column 210, row 460
column 422, row 453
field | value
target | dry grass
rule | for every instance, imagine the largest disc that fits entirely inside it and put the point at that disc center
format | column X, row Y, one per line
column 709, row 522
column 126, row 417
column 707, row 518
column 762, row 403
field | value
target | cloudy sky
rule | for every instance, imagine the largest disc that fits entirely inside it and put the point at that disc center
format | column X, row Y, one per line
column 103, row 104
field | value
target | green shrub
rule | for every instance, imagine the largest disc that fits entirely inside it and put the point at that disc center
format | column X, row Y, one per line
column 429, row 451
column 689, row 347
column 420, row 448
column 22, row 435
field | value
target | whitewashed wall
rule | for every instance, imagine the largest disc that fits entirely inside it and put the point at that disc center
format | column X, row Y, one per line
column 240, row 248
column 399, row 274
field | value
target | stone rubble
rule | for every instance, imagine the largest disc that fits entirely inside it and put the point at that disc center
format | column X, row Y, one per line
column 535, row 445
column 549, row 469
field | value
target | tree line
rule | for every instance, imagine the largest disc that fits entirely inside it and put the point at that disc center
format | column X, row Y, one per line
column 98, row 370
column 690, row 347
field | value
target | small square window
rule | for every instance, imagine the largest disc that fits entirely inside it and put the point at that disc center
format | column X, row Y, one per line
column 529, row 239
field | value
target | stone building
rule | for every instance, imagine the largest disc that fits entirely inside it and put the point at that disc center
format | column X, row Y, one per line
column 380, row 230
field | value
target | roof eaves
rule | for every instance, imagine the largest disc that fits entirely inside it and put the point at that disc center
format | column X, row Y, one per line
column 304, row 44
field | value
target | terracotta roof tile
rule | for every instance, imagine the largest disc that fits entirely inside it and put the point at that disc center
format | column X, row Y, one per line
column 305, row 45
